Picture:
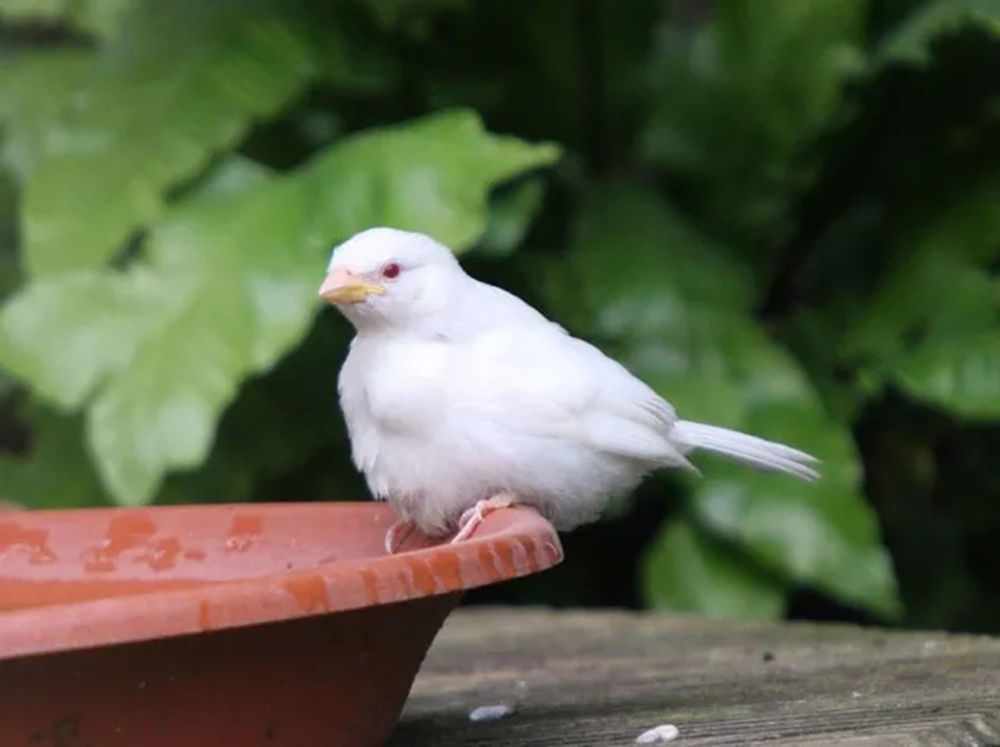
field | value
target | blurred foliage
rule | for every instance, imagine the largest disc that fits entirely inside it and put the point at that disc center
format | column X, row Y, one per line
column 782, row 214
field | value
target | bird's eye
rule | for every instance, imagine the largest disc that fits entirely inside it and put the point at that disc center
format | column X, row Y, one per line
column 391, row 270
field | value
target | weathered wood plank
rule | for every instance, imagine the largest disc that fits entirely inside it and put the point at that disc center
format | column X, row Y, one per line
column 602, row 678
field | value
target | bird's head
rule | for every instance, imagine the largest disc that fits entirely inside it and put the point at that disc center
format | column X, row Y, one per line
column 383, row 278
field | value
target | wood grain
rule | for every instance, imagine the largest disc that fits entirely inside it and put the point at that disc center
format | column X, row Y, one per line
column 602, row 678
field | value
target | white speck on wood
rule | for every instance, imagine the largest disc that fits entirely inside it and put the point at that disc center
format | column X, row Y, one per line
column 658, row 734
column 491, row 712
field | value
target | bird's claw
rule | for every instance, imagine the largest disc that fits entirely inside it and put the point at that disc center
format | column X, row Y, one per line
column 396, row 535
column 473, row 517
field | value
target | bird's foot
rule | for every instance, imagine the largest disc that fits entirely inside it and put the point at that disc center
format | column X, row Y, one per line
column 474, row 516
column 397, row 534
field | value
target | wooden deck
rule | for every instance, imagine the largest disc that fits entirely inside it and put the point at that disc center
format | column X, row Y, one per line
column 603, row 678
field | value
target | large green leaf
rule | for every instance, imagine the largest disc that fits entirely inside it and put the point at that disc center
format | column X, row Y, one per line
column 823, row 534
column 230, row 283
column 99, row 17
column 34, row 91
column 928, row 296
column 649, row 261
column 96, row 16
column 64, row 335
column 933, row 326
column 160, row 411
column 511, row 214
column 179, row 82
column 910, row 41
column 688, row 570
column 737, row 101
column 282, row 423
column 32, row 10
column 675, row 311
column 961, row 373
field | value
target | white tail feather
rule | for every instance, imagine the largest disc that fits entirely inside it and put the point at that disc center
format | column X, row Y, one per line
column 744, row 448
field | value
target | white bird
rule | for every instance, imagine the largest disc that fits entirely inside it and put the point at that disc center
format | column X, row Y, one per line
column 460, row 398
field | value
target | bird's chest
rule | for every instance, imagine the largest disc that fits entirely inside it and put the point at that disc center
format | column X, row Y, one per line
column 398, row 389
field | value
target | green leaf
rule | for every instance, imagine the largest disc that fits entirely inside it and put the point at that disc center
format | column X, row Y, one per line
column 32, row 10
column 961, row 374
column 281, row 423
column 56, row 473
column 230, row 283
column 99, row 17
column 34, row 90
column 687, row 570
column 232, row 175
column 737, row 102
column 419, row 177
column 641, row 262
column 64, row 336
column 930, row 296
column 177, row 84
column 677, row 313
column 910, row 41
column 159, row 413
column 511, row 214
column 169, row 349
column 933, row 327
column 823, row 534
column 968, row 225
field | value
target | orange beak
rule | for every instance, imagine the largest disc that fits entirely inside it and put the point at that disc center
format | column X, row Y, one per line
column 343, row 286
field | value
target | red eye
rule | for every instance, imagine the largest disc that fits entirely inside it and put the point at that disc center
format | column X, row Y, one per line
column 391, row 270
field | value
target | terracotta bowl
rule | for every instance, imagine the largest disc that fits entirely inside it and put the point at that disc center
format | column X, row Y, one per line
column 281, row 624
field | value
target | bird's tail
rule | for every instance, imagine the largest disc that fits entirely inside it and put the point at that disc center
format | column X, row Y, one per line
column 744, row 448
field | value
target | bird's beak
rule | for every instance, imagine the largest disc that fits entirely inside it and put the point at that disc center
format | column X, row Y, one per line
column 343, row 286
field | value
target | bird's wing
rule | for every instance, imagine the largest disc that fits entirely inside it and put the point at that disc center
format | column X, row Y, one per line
column 360, row 426
column 538, row 378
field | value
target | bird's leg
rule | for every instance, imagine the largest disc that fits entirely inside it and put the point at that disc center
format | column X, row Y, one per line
column 474, row 516
column 397, row 534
